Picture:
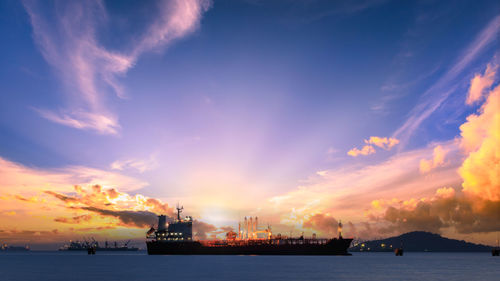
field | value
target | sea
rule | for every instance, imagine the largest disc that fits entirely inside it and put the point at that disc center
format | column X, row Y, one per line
column 34, row 265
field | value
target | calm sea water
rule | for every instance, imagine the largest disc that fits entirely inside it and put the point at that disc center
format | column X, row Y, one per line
column 140, row 266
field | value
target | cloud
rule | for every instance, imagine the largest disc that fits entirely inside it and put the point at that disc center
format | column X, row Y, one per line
column 131, row 211
column 465, row 214
column 175, row 19
column 16, row 236
column 105, row 124
column 47, row 199
column 110, row 199
column 480, row 83
column 481, row 138
column 140, row 219
column 66, row 35
column 433, row 202
column 323, row 223
column 19, row 179
column 321, row 173
column 39, row 200
column 433, row 97
column 348, row 192
column 476, row 208
column 438, row 160
column 201, row 229
column 385, row 143
column 74, row 220
column 135, row 164
column 330, row 153
column 366, row 150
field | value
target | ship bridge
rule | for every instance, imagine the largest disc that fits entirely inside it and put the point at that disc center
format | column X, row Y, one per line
column 181, row 229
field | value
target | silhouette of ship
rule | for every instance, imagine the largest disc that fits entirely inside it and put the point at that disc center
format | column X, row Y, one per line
column 6, row 247
column 176, row 239
column 86, row 245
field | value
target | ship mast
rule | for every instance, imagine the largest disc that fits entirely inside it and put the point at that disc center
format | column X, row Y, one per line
column 179, row 210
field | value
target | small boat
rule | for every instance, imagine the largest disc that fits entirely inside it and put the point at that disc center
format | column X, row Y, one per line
column 398, row 251
column 91, row 250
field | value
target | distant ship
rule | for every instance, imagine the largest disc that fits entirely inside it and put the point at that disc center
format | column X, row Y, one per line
column 85, row 245
column 177, row 239
column 6, row 247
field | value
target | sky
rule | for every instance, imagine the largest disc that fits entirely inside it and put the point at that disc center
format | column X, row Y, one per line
column 384, row 115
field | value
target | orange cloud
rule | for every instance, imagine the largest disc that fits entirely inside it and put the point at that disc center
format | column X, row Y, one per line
column 481, row 139
column 74, row 220
column 477, row 208
column 18, row 179
column 384, row 143
column 438, row 160
column 134, row 211
column 464, row 213
column 323, row 223
column 349, row 190
column 480, row 83
column 366, row 150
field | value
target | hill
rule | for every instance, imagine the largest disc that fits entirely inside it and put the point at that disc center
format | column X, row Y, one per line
column 419, row 241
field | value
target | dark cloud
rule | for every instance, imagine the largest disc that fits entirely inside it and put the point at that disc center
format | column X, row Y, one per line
column 62, row 197
column 97, row 200
column 324, row 224
column 74, row 220
column 226, row 229
column 201, row 229
column 139, row 219
column 468, row 214
column 19, row 197
column 86, row 229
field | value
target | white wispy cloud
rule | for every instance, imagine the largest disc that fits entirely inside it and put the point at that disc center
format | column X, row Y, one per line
column 89, row 72
column 432, row 99
column 141, row 165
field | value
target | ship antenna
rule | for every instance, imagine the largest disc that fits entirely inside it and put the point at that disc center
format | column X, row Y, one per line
column 179, row 210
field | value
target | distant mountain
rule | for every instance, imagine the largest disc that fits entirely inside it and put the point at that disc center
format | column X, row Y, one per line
column 419, row 241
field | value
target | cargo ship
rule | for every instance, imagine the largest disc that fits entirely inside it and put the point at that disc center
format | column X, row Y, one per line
column 176, row 238
column 6, row 247
column 85, row 245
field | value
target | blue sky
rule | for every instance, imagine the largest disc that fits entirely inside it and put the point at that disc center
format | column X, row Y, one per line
column 254, row 96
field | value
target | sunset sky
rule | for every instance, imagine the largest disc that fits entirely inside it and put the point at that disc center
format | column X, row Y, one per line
column 382, row 114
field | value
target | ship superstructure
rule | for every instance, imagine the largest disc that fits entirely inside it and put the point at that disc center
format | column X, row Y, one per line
column 176, row 238
column 177, row 231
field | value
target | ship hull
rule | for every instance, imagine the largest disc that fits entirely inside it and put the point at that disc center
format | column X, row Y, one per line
column 333, row 247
